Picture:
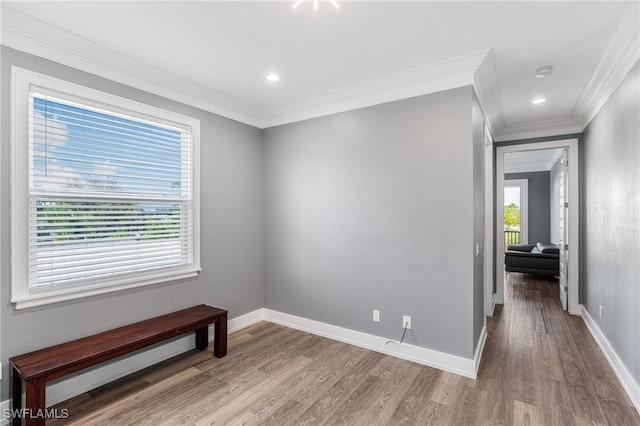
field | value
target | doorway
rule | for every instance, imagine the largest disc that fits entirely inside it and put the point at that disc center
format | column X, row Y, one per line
column 570, row 218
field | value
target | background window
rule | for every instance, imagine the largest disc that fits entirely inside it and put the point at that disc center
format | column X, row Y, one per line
column 515, row 212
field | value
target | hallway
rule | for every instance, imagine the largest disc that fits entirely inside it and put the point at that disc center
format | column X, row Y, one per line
column 542, row 361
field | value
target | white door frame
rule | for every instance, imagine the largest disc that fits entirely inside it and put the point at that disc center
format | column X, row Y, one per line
column 574, row 218
column 489, row 235
column 524, row 207
column 563, row 228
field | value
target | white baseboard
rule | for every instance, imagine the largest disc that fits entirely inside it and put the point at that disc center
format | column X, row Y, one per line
column 62, row 390
column 65, row 389
column 493, row 305
column 477, row 356
column 624, row 376
column 443, row 361
column 4, row 407
column 242, row 321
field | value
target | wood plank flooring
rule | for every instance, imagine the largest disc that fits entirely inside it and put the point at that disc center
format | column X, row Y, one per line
column 540, row 367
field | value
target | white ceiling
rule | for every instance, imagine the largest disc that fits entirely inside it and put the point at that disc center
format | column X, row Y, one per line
column 329, row 55
column 531, row 161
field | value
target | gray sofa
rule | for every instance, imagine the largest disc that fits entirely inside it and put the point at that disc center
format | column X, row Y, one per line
column 539, row 258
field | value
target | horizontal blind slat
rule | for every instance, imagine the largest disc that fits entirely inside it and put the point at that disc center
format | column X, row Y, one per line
column 110, row 194
column 71, row 245
column 51, row 111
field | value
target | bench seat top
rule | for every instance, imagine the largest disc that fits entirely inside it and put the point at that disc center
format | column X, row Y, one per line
column 57, row 361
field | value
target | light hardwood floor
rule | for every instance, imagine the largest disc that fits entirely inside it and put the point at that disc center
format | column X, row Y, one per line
column 540, row 367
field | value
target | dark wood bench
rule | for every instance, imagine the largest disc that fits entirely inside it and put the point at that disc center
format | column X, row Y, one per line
column 39, row 367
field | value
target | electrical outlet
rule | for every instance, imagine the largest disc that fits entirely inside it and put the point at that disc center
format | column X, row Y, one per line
column 406, row 322
column 376, row 316
column 601, row 311
column 477, row 249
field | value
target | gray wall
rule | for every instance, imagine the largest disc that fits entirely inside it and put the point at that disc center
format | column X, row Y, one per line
column 231, row 228
column 477, row 122
column 538, row 207
column 373, row 209
column 554, row 199
column 611, row 224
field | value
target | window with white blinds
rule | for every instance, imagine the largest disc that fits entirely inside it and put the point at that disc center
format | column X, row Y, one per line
column 111, row 192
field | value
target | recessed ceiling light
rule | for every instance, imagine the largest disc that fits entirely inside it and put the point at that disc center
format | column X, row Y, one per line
column 274, row 77
column 315, row 4
column 539, row 101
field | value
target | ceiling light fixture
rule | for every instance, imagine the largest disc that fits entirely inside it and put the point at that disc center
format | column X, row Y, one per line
column 274, row 77
column 539, row 101
column 315, row 4
column 545, row 71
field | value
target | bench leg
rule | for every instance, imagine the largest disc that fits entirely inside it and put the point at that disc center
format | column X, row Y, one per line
column 202, row 338
column 220, row 336
column 16, row 397
column 35, row 403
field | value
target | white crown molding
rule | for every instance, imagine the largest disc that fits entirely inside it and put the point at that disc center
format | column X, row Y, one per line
column 621, row 53
column 538, row 129
column 487, row 90
column 445, row 75
column 27, row 34
column 552, row 162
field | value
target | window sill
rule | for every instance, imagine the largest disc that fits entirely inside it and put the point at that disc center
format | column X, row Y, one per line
column 63, row 295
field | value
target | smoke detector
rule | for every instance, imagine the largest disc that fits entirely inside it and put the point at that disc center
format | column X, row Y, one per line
column 545, row 71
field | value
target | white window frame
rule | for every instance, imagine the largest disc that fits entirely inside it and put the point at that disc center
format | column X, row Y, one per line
column 523, row 184
column 22, row 294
